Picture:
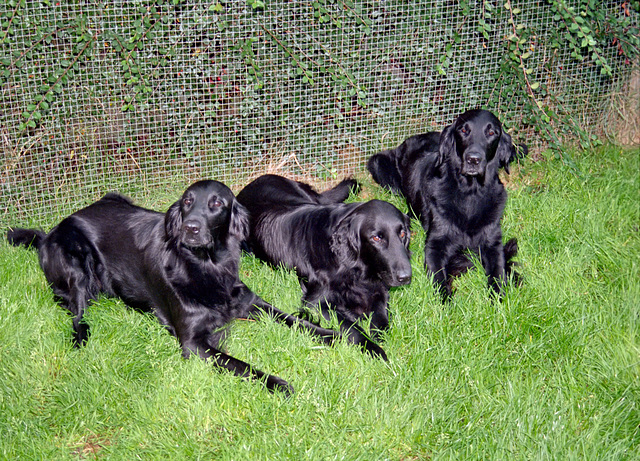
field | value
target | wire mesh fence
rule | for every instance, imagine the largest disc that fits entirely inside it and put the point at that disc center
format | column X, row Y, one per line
column 145, row 97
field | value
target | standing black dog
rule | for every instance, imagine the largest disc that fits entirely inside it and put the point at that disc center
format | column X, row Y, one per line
column 345, row 255
column 450, row 181
column 182, row 266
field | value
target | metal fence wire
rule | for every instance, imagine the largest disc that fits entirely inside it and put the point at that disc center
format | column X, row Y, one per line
column 145, row 97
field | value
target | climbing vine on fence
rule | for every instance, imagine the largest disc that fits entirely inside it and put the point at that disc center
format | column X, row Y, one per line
column 60, row 72
column 587, row 28
column 602, row 34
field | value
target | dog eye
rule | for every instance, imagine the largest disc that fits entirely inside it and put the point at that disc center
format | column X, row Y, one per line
column 216, row 203
column 187, row 201
column 376, row 238
column 403, row 234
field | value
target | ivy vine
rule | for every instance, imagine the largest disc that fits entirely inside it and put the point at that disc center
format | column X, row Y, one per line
column 146, row 45
column 61, row 72
column 586, row 27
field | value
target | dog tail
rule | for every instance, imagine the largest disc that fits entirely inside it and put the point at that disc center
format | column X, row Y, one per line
column 384, row 171
column 520, row 151
column 28, row 238
column 341, row 192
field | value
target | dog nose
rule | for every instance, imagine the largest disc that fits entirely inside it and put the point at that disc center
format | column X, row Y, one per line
column 404, row 278
column 473, row 159
column 191, row 227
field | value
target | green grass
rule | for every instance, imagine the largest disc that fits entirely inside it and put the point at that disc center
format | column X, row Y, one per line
column 551, row 372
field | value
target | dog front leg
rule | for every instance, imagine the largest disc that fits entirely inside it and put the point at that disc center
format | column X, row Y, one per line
column 353, row 332
column 494, row 266
column 204, row 349
column 380, row 316
column 260, row 306
column 435, row 261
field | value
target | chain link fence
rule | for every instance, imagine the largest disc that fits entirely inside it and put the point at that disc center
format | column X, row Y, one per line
column 145, row 97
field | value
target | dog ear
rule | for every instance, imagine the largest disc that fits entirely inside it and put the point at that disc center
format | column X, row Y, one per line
column 447, row 145
column 345, row 240
column 173, row 221
column 239, row 221
column 407, row 223
column 506, row 151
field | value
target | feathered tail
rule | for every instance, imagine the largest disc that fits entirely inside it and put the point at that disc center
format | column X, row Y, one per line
column 28, row 238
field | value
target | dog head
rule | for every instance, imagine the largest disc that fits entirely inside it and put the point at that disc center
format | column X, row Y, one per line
column 474, row 142
column 206, row 216
column 376, row 234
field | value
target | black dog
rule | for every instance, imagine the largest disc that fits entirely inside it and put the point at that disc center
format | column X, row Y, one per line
column 345, row 255
column 182, row 266
column 450, row 181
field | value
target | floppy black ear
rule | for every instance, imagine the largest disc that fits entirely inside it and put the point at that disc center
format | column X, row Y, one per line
column 345, row 240
column 173, row 221
column 407, row 223
column 447, row 144
column 506, row 151
column 239, row 221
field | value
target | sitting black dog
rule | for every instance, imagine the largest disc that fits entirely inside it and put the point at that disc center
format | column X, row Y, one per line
column 450, row 181
column 182, row 266
column 345, row 255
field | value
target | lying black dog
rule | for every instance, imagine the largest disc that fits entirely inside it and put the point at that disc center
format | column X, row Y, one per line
column 451, row 183
column 182, row 266
column 345, row 255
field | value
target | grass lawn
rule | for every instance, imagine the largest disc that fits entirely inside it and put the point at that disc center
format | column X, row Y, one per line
column 551, row 372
